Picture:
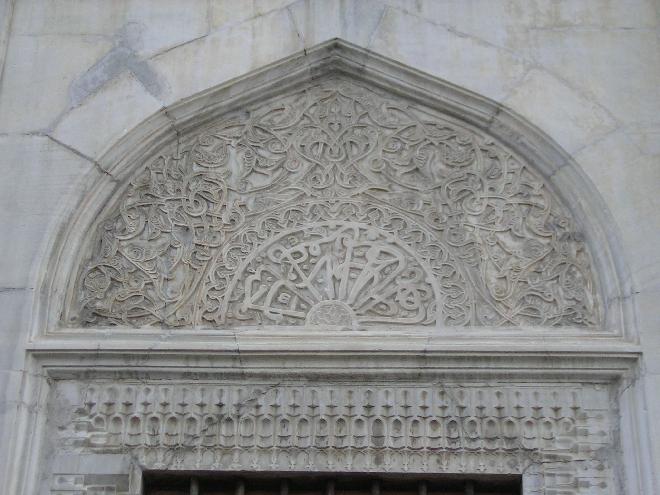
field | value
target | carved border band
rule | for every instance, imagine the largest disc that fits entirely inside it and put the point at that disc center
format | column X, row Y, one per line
column 553, row 431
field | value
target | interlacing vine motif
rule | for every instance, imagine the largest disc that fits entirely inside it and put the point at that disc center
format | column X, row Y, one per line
column 336, row 206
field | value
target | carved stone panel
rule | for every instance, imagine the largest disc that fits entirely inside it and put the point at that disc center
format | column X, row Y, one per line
column 559, row 437
column 89, row 484
column 336, row 205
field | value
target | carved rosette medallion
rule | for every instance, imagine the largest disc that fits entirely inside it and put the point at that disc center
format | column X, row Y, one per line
column 336, row 205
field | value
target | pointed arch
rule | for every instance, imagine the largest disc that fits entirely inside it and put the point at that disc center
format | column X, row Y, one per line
column 339, row 188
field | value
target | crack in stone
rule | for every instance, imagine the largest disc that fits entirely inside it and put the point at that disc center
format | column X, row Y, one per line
column 179, row 45
column 82, row 155
column 296, row 29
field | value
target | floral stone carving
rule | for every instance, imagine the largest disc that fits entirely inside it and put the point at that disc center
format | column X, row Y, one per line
column 337, row 205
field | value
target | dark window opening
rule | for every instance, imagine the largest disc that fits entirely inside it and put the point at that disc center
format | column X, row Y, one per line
column 206, row 483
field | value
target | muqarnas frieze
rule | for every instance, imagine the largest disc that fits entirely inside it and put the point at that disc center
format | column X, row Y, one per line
column 449, row 427
column 336, row 205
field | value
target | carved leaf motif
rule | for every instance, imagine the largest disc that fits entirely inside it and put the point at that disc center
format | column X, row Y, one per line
column 341, row 205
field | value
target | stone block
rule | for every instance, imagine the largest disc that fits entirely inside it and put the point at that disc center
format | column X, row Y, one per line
column 351, row 20
column 10, row 387
column 224, row 13
column 507, row 24
column 568, row 117
column 591, row 61
column 43, row 176
column 227, row 53
column 459, row 59
column 161, row 24
column 646, row 137
column 105, row 117
column 618, row 168
column 649, row 323
column 38, row 73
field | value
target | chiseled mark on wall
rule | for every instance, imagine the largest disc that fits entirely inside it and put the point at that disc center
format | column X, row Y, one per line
column 121, row 58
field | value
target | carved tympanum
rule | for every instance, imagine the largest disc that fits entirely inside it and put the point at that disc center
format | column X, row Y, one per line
column 337, row 205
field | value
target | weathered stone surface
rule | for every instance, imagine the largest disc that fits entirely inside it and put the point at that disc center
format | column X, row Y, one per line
column 43, row 174
column 439, row 428
column 23, row 107
column 154, row 25
column 463, row 60
column 337, row 205
column 226, row 54
column 83, row 130
column 355, row 21
column 574, row 120
column 91, row 73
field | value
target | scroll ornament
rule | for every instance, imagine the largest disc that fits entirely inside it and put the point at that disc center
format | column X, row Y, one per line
column 336, row 206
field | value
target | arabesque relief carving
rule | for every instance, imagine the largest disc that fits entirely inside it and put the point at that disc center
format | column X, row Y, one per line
column 337, row 205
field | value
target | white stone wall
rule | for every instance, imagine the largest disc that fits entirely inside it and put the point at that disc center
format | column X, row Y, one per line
column 77, row 76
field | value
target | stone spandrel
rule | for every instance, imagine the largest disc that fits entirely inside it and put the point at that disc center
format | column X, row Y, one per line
column 336, row 205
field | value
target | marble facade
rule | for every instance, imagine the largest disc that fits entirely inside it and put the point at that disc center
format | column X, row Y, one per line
column 330, row 236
